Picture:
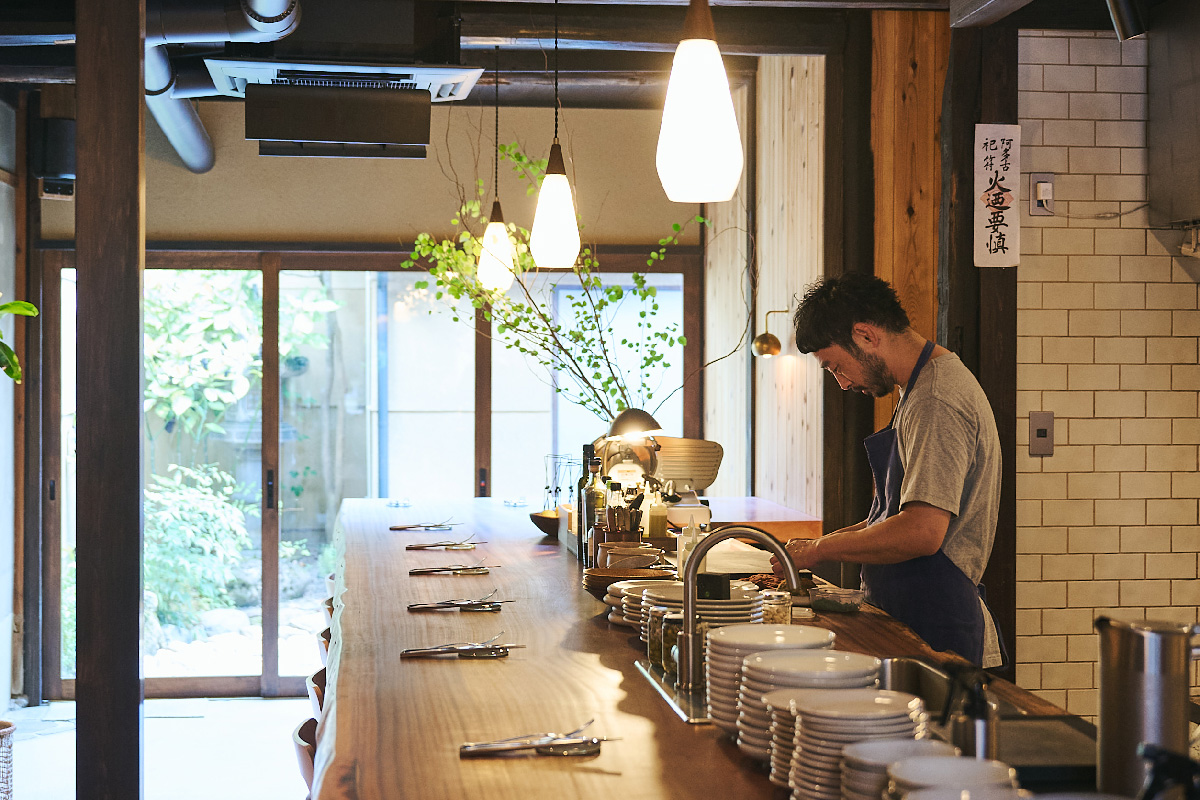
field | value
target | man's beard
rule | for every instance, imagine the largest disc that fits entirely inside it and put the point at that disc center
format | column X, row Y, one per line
column 878, row 382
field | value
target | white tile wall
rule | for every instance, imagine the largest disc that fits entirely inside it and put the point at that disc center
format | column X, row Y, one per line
column 1107, row 329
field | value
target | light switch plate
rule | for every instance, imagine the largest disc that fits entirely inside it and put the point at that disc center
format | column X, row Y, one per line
column 1041, row 433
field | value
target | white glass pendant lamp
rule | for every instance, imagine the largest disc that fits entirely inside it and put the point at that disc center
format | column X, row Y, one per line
column 554, row 240
column 496, row 253
column 699, row 146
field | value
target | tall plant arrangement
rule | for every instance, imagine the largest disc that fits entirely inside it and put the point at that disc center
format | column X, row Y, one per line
column 604, row 372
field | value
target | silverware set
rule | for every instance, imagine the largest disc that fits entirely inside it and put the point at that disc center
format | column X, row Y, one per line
column 485, row 603
column 478, row 568
column 542, row 744
column 462, row 544
column 485, row 649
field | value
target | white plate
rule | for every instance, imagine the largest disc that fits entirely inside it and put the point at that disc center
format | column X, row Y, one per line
column 674, row 591
column 756, row 753
column 865, row 704
column 781, row 699
column 771, row 637
column 863, row 729
column 727, row 727
column 971, row 793
column 637, row 586
column 724, row 706
column 616, row 601
column 931, row 771
column 617, row 619
column 753, row 738
column 800, row 683
column 876, row 754
column 893, row 731
column 799, row 663
column 758, row 720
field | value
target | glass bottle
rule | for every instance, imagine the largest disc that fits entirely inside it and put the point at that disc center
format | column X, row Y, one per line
column 582, row 524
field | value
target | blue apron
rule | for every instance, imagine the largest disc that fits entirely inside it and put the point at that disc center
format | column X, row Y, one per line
column 930, row 593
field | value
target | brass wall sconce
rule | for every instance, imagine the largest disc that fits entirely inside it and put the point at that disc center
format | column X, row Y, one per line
column 766, row 344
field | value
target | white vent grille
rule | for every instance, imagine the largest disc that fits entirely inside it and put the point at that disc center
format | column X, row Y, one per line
column 444, row 83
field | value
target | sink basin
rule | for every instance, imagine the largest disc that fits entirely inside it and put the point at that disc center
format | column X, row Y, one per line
column 930, row 684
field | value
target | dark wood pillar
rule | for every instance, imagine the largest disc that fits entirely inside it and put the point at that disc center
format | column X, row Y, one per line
column 483, row 406
column 30, row 348
column 110, row 254
column 849, row 247
column 978, row 307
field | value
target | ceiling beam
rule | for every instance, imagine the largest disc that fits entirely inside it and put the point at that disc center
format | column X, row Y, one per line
column 740, row 31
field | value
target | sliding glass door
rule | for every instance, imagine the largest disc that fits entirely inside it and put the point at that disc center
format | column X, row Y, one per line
column 272, row 393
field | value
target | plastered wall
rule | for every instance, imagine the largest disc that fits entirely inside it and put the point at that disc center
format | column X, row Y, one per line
column 246, row 197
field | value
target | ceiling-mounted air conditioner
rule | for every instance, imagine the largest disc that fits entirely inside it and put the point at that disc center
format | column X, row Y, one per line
column 445, row 83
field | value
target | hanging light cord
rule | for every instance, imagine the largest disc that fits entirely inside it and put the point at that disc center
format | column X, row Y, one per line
column 496, row 154
column 556, row 71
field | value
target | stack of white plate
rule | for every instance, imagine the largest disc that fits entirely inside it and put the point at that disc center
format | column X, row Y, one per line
column 949, row 772
column 781, row 705
column 800, row 669
column 864, row 764
column 622, row 593
column 743, row 605
column 729, row 646
column 825, row 725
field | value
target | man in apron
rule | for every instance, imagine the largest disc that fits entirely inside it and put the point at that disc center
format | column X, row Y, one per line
column 936, row 468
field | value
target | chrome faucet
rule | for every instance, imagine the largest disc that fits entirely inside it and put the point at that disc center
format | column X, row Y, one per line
column 691, row 651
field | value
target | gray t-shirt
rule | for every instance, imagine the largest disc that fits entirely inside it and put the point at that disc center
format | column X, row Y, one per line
column 948, row 445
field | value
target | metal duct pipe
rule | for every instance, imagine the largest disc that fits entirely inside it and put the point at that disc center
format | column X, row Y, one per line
column 181, row 22
column 176, row 116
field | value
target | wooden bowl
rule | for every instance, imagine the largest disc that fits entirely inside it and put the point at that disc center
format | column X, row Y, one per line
column 546, row 521
column 596, row 580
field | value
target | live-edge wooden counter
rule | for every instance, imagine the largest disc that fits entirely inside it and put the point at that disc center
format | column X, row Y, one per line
column 391, row 728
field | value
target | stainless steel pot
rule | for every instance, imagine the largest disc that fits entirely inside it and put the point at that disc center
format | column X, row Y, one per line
column 1144, row 687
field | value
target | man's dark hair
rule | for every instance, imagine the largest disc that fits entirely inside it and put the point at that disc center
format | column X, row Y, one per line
column 833, row 306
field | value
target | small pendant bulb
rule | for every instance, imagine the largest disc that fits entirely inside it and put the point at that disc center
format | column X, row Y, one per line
column 496, row 253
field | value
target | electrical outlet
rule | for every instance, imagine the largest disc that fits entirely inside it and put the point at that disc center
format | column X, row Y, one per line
column 1041, row 433
column 1041, row 194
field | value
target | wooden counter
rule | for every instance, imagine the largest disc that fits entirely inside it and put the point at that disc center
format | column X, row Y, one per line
column 392, row 727
column 780, row 521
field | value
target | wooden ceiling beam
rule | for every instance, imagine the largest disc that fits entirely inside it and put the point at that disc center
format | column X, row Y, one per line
column 740, row 31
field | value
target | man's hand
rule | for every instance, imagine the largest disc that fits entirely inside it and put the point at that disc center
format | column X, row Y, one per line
column 803, row 553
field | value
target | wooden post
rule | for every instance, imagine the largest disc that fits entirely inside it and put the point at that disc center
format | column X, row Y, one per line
column 110, row 254
column 978, row 307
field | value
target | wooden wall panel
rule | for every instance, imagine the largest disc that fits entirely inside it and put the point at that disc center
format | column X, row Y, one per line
column 910, row 53
column 727, row 305
column 790, row 202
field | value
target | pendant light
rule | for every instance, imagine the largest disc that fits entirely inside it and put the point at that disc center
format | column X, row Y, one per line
column 554, row 240
column 496, row 253
column 699, row 146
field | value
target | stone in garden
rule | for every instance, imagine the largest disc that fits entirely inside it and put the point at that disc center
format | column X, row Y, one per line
column 224, row 620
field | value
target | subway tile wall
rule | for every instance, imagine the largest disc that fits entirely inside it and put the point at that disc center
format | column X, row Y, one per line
column 1108, row 322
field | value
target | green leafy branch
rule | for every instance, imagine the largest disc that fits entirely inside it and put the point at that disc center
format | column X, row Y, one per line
column 8, row 359
column 584, row 347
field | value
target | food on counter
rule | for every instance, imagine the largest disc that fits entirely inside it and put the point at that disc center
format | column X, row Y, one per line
column 768, row 581
column 833, row 598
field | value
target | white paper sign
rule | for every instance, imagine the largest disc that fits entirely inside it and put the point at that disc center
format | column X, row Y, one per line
column 997, row 195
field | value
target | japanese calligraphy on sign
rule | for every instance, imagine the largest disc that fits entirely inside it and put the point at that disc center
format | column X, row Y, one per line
column 997, row 192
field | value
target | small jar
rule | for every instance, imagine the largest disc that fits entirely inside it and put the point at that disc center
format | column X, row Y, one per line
column 777, row 608
column 654, row 634
column 671, row 626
